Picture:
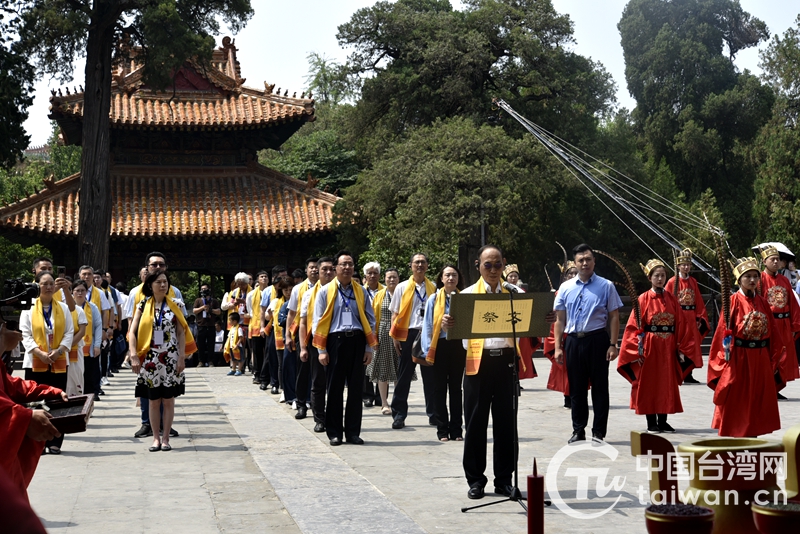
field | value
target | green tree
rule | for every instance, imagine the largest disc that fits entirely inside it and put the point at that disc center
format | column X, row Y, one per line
column 16, row 88
column 777, row 150
column 423, row 61
column 55, row 32
column 695, row 111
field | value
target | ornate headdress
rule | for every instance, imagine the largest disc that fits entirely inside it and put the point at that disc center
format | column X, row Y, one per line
column 651, row 266
column 510, row 268
column 742, row 265
column 768, row 251
column 684, row 256
column 567, row 266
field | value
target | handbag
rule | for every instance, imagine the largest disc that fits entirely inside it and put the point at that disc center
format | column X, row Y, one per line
column 416, row 351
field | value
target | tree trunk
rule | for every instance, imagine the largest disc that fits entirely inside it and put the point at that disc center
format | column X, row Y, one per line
column 95, row 195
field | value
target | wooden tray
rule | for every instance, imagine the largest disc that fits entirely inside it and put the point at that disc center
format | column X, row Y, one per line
column 71, row 417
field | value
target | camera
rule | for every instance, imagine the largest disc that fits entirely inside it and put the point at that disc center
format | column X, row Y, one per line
column 18, row 294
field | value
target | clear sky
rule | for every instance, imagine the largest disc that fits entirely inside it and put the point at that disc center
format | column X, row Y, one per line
column 274, row 45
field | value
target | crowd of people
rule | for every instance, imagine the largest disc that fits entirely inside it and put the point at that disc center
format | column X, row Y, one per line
column 310, row 335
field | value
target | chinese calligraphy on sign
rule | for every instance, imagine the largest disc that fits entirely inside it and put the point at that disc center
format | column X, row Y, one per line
column 482, row 316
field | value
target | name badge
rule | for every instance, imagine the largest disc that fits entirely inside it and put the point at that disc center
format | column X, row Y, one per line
column 422, row 312
column 158, row 337
column 347, row 317
column 204, row 315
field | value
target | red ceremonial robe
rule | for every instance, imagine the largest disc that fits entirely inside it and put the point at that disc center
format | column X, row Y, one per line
column 744, row 387
column 778, row 291
column 655, row 382
column 20, row 454
column 527, row 346
column 693, row 310
column 558, row 379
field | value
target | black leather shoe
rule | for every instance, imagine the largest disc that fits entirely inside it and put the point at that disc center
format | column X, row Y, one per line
column 781, row 397
column 256, row 380
column 96, row 397
column 597, row 438
column 319, row 427
column 173, row 433
column 275, row 390
column 475, row 492
column 144, row 431
column 336, row 442
column 690, row 380
column 398, row 424
column 301, row 412
column 577, row 436
column 666, row 427
column 355, row 440
column 506, row 490
column 369, row 403
column 263, row 386
column 101, row 392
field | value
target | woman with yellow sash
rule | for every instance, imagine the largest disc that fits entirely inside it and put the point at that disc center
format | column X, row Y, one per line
column 383, row 367
column 75, row 368
column 162, row 340
column 447, row 357
column 47, row 333
column 277, row 319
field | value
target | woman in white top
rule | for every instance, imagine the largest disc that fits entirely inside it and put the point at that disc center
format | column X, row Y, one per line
column 47, row 331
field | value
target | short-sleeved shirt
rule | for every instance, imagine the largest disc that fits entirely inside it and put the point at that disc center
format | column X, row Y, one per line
column 418, row 302
column 206, row 318
column 587, row 303
column 296, row 294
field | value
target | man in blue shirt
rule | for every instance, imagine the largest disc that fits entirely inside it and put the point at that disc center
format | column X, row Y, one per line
column 585, row 307
column 345, row 350
column 271, row 364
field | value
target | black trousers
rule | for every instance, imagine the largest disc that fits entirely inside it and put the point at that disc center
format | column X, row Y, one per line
column 448, row 373
column 105, row 357
column 270, row 368
column 257, row 345
column 490, row 390
column 205, row 344
column 346, row 367
column 57, row 380
column 303, row 382
column 91, row 373
column 319, row 384
column 405, row 372
column 586, row 361
column 370, row 390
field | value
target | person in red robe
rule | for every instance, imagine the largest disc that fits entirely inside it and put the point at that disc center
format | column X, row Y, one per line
column 777, row 290
column 23, row 431
column 692, row 305
column 656, row 354
column 527, row 345
column 558, row 380
column 745, row 398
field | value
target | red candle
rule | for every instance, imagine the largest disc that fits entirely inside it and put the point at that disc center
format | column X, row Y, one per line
column 535, row 502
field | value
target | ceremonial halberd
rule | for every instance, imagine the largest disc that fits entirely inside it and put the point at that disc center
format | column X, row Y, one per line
column 184, row 175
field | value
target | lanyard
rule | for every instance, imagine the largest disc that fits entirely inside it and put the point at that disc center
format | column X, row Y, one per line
column 346, row 298
column 160, row 319
column 422, row 300
column 47, row 315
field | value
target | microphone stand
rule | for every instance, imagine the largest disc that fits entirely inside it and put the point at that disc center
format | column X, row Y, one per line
column 516, row 495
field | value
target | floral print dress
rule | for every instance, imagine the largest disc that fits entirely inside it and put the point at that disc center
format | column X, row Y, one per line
column 158, row 378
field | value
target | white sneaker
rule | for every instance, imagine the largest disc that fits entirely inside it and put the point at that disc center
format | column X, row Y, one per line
column 126, row 364
column 104, row 381
column 283, row 398
column 294, row 405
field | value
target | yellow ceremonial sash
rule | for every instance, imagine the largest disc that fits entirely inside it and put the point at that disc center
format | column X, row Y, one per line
column 138, row 296
column 475, row 346
column 255, row 323
column 58, row 320
column 399, row 330
column 232, row 346
column 58, row 296
column 273, row 295
column 279, row 343
column 295, row 326
column 380, row 286
column 144, row 335
column 324, row 324
column 95, row 299
column 376, row 305
column 87, row 339
column 310, row 314
column 438, row 313
column 73, row 352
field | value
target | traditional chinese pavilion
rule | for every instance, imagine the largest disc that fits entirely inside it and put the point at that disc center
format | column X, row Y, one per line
column 185, row 177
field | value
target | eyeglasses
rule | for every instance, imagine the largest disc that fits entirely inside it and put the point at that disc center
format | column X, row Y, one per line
column 157, row 264
column 489, row 265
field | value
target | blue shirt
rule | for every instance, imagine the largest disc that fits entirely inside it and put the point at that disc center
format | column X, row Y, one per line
column 344, row 294
column 587, row 304
column 266, row 296
column 427, row 322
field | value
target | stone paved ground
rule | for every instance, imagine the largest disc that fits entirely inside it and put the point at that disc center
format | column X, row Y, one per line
column 244, row 464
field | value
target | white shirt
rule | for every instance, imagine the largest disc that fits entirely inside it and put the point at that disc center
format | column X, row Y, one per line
column 81, row 320
column 296, row 294
column 490, row 342
column 104, row 304
column 304, row 304
column 417, row 303
column 219, row 340
column 28, row 342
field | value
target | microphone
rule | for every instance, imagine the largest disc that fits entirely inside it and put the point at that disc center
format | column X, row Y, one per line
column 510, row 287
